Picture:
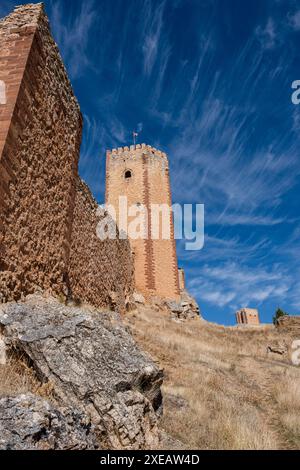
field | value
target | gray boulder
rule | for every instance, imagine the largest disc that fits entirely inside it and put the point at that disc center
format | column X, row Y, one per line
column 186, row 309
column 94, row 366
column 28, row 422
column 174, row 307
column 189, row 305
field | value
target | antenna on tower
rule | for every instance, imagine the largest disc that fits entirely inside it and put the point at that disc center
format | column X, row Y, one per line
column 135, row 136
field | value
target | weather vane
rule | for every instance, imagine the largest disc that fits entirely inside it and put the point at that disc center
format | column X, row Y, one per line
column 135, row 136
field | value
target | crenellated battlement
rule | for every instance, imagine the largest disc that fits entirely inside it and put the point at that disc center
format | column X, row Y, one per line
column 139, row 148
column 23, row 20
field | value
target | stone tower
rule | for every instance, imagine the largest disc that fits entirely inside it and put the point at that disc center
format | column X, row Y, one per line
column 247, row 316
column 141, row 173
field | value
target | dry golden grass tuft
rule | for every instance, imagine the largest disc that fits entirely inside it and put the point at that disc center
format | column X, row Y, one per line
column 288, row 400
column 222, row 389
column 17, row 377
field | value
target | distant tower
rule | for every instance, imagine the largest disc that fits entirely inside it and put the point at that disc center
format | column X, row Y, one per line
column 248, row 316
column 141, row 173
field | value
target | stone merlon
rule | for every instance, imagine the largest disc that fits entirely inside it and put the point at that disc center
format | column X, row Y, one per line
column 132, row 148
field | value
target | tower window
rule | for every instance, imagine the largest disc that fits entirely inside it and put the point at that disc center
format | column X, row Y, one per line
column 128, row 174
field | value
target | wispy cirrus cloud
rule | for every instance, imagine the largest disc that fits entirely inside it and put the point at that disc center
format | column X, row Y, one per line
column 73, row 33
column 294, row 20
column 213, row 142
column 235, row 285
column 153, row 29
column 235, row 219
column 267, row 35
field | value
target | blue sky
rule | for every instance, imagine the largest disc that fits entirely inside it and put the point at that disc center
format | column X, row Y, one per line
column 209, row 82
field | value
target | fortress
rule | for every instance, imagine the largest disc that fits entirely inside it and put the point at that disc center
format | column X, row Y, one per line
column 48, row 220
column 141, row 173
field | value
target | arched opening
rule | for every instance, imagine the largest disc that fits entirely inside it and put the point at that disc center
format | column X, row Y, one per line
column 128, row 175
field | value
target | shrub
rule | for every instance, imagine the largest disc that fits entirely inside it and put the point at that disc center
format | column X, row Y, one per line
column 279, row 313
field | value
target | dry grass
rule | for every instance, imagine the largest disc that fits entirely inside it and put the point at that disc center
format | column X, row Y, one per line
column 222, row 390
column 288, row 400
column 17, row 377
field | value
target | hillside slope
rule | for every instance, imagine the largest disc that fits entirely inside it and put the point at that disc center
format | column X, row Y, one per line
column 222, row 390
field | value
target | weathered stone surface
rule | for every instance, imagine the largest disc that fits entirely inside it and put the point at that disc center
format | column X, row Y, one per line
column 100, row 272
column 174, row 401
column 139, row 298
column 175, row 307
column 278, row 348
column 190, row 307
column 186, row 309
column 40, row 134
column 28, row 422
column 94, row 365
column 289, row 322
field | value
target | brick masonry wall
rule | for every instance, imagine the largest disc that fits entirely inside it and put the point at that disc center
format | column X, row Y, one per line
column 156, row 270
column 43, row 205
column 115, row 186
column 100, row 272
column 41, row 131
column 16, row 38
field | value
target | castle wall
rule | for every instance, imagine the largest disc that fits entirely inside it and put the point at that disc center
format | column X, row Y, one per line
column 40, row 132
column 156, row 270
column 48, row 216
column 14, row 51
column 100, row 272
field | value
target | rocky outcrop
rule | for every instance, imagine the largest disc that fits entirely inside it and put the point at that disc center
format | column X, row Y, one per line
column 186, row 309
column 190, row 307
column 94, row 366
column 28, row 422
column 288, row 322
column 278, row 347
column 138, row 298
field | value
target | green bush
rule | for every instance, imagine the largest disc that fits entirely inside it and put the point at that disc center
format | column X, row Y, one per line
column 279, row 313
